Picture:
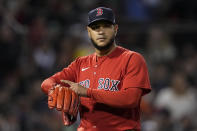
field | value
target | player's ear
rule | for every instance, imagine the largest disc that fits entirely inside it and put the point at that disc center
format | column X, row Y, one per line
column 116, row 29
column 88, row 29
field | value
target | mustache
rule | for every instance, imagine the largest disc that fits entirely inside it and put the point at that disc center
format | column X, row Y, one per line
column 103, row 37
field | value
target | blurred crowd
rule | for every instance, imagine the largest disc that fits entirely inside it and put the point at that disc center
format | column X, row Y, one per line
column 40, row 37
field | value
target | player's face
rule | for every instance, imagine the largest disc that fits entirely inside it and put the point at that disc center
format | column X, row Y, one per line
column 102, row 34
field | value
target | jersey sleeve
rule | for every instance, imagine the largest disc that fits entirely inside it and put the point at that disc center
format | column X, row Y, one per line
column 127, row 98
column 137, row 74
column 68, row 73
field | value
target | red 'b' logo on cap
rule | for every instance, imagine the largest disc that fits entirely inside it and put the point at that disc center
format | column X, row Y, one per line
column 99, row 12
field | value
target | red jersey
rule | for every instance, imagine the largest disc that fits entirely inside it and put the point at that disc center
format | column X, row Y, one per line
column 108, row 79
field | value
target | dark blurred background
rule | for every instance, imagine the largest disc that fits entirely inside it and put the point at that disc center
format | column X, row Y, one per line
column 40, row 37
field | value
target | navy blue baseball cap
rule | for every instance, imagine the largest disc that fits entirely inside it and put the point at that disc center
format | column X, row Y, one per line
column 101, row 13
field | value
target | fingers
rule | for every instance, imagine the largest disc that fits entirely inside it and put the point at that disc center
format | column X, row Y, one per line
column 67, row 100
column 67, row 82
column 73, row 103
column 52, row 97
column 60, row 99
column 73, row 85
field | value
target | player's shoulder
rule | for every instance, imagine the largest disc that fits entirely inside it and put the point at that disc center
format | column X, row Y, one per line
column 84, row 58
column 130, row 53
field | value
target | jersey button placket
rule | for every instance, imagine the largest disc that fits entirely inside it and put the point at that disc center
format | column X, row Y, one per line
column 94, row 76
column 95, row 68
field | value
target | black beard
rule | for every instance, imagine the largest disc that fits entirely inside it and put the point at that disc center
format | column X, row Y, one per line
column 106, row 47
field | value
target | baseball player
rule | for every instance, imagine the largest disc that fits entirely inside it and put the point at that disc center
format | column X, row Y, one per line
column 110, row 82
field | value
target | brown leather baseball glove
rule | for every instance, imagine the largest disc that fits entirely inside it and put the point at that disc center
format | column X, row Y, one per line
column 64, row 99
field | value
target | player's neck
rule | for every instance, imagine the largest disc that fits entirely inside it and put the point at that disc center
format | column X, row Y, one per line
column 105, row 52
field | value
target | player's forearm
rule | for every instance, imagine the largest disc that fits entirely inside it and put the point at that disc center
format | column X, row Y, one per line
column 66, row 74
column 129, row 98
